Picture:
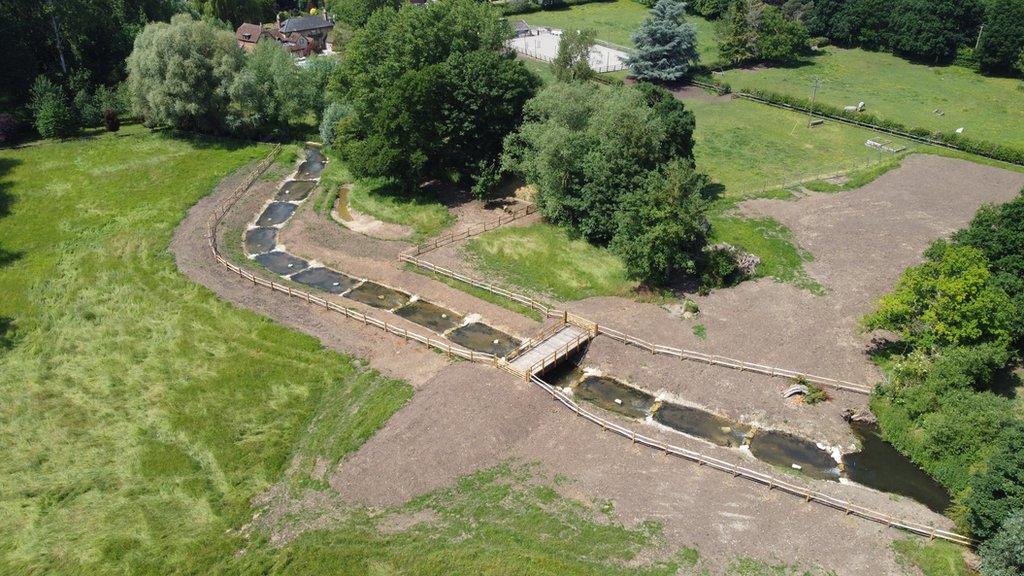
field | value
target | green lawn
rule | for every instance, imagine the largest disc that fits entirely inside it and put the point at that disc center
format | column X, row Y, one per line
column 380, row 198
column 988, row 108
column 542, row 258
column 616, row 21
column 748, row 147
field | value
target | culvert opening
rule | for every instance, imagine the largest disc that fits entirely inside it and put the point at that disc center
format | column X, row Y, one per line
column 483, row 338
column 373, row 294
column 282, row 263
column 260, row 240
column 295, row 190
column 430, row 315
column 276, row 213
column 326, row 279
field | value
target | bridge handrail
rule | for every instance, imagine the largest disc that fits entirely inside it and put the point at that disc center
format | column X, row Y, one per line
column 768, row 480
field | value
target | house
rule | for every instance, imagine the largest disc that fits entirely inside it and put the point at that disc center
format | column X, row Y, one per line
column 314, row 28
column 247, row 35
column 297, row 44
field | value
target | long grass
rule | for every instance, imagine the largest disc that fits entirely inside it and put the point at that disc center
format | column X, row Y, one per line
column 140, row 414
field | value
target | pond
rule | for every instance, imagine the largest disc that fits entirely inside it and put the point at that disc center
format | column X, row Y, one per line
column 326, row 279
column 430, row 315
column 880, row 466
column 482, row 338
column 785, row 450
column 702, row 424
column 276, row 213
column 260, row 240
column 295, row 190
column 282, row 263
column 373, row 294
column 614, row 396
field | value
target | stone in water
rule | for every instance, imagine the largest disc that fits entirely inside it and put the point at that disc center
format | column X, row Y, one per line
column 617, row 401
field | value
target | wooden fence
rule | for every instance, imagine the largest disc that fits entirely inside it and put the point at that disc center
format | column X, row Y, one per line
column 211, row 235
column 476, row 230
column 772, row 482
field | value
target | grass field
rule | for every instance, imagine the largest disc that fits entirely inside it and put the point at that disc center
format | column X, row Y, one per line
column 748, row 147
column 543, row 259
column 988, row 108
column 616, row 21
column 382, row 200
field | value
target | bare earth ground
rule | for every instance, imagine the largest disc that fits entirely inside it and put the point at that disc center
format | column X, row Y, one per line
column 466, row 416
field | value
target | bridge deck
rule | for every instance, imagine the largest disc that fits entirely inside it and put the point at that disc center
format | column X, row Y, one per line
column 558, row 344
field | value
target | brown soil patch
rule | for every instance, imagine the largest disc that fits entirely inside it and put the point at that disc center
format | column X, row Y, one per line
column 356, row 221
column 693, row 92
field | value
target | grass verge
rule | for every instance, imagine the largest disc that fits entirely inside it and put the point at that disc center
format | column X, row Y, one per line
column 932, row 558
column 542, row 258
column 479, row 293
column 772, row 242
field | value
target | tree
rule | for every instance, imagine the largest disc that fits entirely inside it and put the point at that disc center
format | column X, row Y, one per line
column 332, row 116
column 998, row 491
column 948, row 300
column 1003, row 554
column 180, row 73
column 357, row 12
column 264, row 93
column 53, row 115
column 1002, row 40
column 584, row 148
column 820, row 16
column 666, row 46
column 932, row 29
column 662, row 226
column 432, row 92
column 572, row 64
column 737, row 39
column 779, row 39
column 235, row 11
column 710, row 9
column 863, row 23
column 679, row 123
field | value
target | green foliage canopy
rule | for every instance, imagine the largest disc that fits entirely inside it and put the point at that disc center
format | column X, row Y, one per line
column 1002, row 39
column 572, row 63
column 1003, row 554
column 666, row 46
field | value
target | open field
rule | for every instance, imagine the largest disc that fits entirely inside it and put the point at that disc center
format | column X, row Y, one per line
column 140, row 412
column 988, row 108
column 616, row 21
column 542, row 258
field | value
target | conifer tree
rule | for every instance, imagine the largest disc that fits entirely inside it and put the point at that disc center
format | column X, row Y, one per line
column 666, row 45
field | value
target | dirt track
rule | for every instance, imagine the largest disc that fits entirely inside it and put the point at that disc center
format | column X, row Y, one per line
column 466, row 416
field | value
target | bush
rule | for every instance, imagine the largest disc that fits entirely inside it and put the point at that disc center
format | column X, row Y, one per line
column 1003, row 554
column 814, row 395
column 53, row 117
column 719, row 269
column 334, row 114
column 998, row 491
column 8, row 128
column 110, row 121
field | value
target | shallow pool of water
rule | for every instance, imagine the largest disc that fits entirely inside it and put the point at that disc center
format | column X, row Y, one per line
column 326, row 279
column 276, row 213
column 702, row 424
column 614, row 396
column 260, row 240
column 295, row 190
column 310, row 169
column 341, row 206
column 880, row 466
column 282, row 263
column 430, row 315
column 784, row 450
column 378, row 296
column 483, row 338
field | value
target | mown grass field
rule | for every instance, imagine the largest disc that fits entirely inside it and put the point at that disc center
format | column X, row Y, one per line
column 542, row 258
column 615, row 21
column 987, row 108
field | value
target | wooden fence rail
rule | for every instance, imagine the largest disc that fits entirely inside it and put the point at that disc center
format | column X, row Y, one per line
column 451, row 238
column 772, row 482
column 211, row 234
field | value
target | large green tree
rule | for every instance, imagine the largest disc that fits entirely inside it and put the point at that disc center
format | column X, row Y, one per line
column 662, row 226
column 779, row 39
column 572, row 63
column 998, row 491
column 235, row 12
column 666, row 45
column 1003, row 554
column 265, row 92
column 1002, row 39
column 180, row 73
column 933, row 29
column 949, row 300
column 431, row 90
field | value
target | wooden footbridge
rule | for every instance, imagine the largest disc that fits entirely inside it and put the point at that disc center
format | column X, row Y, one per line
column 548, row 348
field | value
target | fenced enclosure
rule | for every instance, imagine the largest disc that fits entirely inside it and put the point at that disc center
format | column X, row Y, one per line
column 543, row 45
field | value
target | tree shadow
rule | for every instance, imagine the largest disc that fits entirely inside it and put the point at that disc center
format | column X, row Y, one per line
column 6, row 201
column 6, row 333
column 1006, row 383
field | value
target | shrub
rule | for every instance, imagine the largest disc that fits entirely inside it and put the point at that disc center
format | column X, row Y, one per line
column 8, row 128
column 110, row 121
column 334, row 114
column 52, row 115
column 1003, row 554
column 998, row 491
column 814, row 395
column 719, row 269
